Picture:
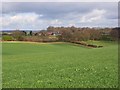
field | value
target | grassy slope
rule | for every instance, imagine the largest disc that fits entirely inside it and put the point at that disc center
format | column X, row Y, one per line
column 59, row 65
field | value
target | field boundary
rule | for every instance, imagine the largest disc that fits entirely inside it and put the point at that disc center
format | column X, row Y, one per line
column 31, row 42
column 75, row 43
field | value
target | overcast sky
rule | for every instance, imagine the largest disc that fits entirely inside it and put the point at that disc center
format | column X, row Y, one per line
column 39, row 15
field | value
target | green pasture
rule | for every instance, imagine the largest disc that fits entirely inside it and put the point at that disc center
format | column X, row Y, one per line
column 59, row 65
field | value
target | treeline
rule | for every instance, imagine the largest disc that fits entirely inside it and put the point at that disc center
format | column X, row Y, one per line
column 67, row 34
column 18, row 35
column 84, row 34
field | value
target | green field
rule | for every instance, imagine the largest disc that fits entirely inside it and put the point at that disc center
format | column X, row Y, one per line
column 59, row 65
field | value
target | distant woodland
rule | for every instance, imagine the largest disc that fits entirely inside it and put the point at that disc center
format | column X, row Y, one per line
column 64, row 34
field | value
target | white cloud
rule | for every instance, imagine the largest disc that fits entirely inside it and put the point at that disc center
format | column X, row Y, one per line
column 95, row 15
column 56, row 21
column 38, row 21
column 41, row 15
column 20, row 20
column 27, row 21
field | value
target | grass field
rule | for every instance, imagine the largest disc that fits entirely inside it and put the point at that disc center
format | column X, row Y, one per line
column 64, row 65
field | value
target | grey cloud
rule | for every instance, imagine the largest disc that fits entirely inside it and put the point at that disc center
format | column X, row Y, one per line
column 54, row 9
column 66, row 12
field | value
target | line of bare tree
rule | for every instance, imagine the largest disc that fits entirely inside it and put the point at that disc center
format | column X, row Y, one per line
column 68, row 34
column 83, row 34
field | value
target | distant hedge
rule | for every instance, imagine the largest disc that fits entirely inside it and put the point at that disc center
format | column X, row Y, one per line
column 7, row 38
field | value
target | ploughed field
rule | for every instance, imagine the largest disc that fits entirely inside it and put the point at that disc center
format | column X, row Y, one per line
column 59, row 65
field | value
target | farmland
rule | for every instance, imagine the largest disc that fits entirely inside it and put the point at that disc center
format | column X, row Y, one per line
column 59, row 65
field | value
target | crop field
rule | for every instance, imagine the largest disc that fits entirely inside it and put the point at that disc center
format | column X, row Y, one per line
column 59, row 65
